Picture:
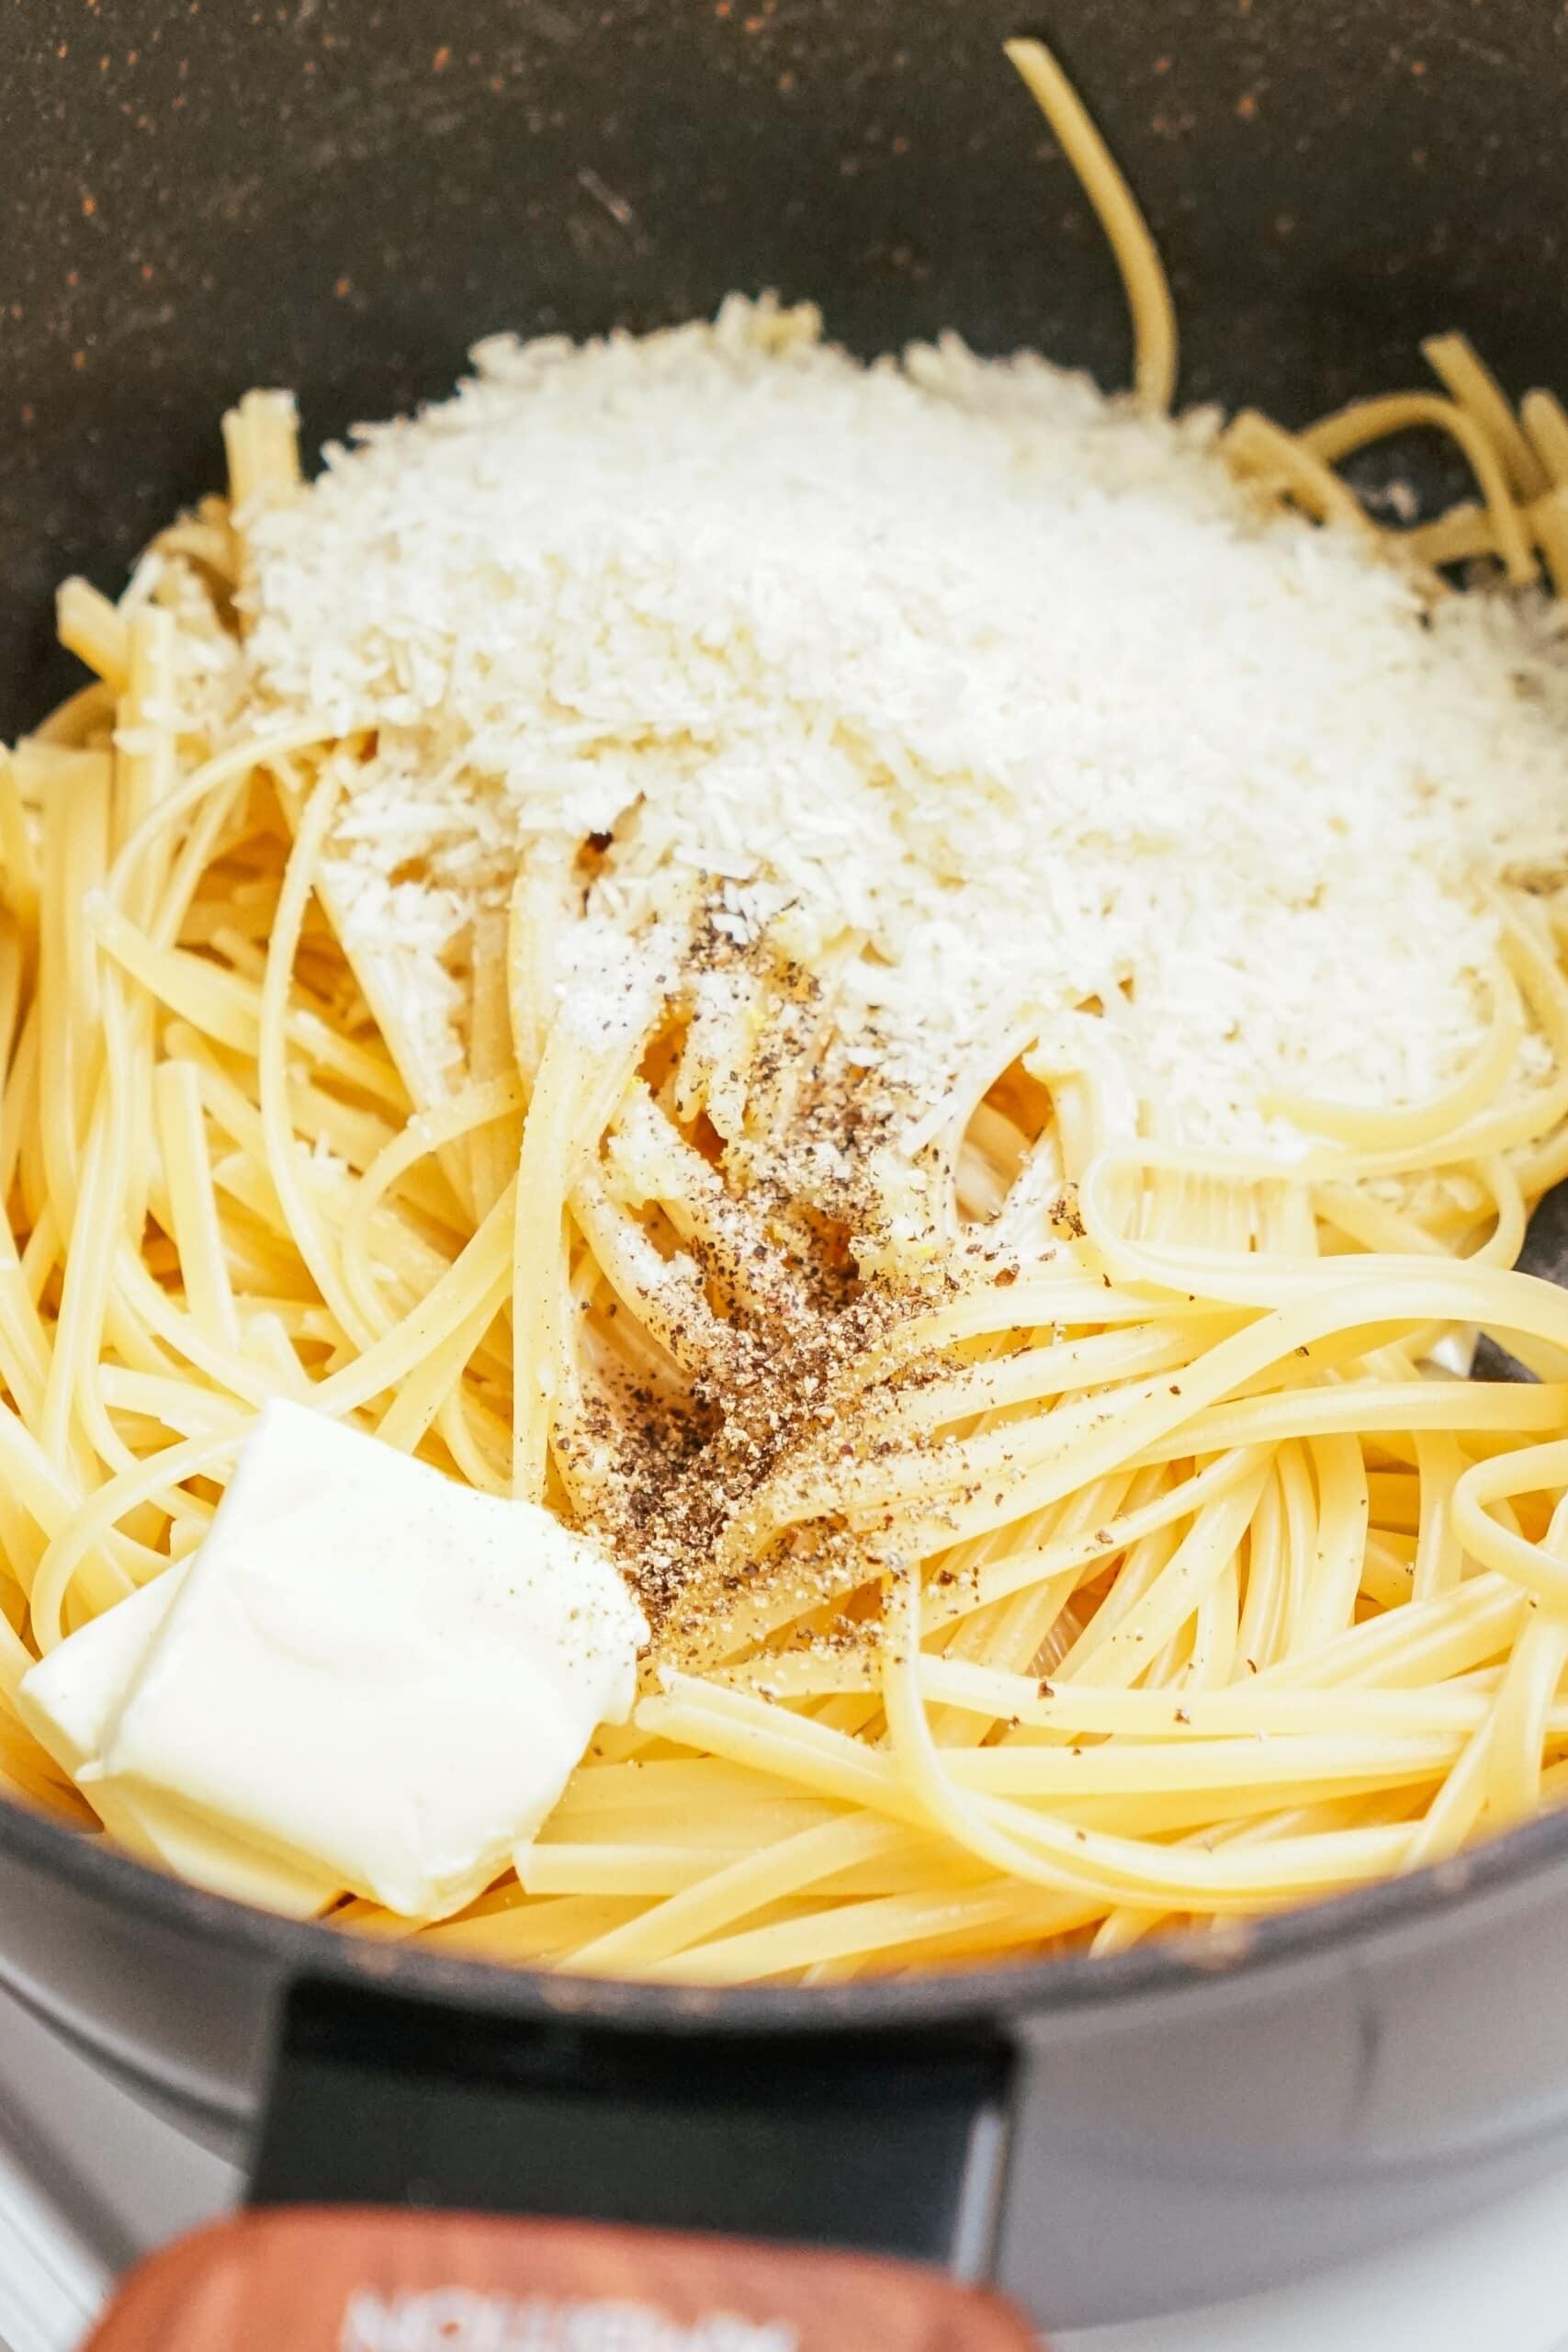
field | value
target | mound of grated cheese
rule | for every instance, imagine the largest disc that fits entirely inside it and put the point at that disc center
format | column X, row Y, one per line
column 1005, row 689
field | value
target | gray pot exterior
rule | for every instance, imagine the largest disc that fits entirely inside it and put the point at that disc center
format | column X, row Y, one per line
column 1183, row 2139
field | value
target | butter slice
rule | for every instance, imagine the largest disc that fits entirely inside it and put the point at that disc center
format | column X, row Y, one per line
column 69, row 1703
column 70, row 1700
column 381, row 1675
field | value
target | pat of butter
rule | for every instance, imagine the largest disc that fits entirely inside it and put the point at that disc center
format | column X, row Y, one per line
column 71, row 1701
column 377, row 1674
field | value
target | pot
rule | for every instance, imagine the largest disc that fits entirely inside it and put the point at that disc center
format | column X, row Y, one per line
column 341, row 195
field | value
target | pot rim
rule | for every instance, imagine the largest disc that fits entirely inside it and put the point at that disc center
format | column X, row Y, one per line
column 1078, row 1984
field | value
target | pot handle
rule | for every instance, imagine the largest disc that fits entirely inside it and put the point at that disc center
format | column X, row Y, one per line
column 559, row 2168
column 886, row 2142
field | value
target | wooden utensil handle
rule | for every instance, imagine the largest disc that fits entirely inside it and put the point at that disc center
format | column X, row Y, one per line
column 361, row 2279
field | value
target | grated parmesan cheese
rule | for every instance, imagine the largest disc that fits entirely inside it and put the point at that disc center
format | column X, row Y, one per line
column 1003, row 692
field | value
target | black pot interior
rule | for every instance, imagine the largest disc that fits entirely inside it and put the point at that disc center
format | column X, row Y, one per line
column 341, row 195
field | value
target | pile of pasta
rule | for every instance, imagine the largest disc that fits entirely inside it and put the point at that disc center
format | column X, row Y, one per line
column 1184, row 1584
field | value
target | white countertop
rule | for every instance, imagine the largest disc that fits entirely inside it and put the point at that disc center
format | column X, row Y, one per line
column 1496, row 2282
